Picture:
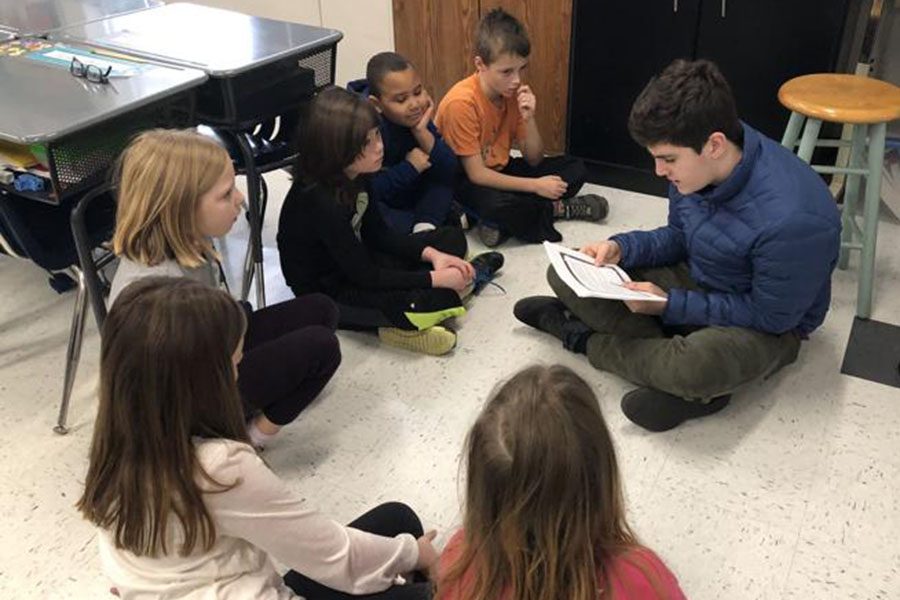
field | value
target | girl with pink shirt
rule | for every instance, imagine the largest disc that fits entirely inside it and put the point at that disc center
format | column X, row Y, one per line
column 544, row 513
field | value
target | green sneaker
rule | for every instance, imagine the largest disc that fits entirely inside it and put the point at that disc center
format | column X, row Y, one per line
column 435, row 340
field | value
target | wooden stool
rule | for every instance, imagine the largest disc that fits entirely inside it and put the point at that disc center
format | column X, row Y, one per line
column 867, row 105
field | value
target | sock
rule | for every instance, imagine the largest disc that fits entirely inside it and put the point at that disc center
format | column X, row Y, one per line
column 257, row 437
column 423, row 226
column 558, row 209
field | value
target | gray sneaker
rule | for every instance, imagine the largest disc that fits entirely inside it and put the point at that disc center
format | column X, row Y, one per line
column 589, row 207
column 490, row 236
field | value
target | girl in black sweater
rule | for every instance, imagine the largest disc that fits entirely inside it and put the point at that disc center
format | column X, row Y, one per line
column 331, row 241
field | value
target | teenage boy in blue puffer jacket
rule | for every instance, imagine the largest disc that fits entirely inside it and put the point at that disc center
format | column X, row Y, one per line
column 744, row 261
column 414, row 190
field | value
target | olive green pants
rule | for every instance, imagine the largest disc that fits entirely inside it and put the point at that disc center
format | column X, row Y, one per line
column 696, row 363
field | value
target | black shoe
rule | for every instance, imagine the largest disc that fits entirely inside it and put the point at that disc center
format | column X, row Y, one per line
column 658, row 411
column 588, row 207
column 489, row 262
column 486, row 266
column 546, row 313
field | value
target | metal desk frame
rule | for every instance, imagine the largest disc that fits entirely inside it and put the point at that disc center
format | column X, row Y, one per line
column 274, row 44
column 87, row 107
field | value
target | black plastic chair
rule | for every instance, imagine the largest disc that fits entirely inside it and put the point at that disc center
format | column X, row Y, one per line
column 93, row 256
column 41, row 233
column 268, row 146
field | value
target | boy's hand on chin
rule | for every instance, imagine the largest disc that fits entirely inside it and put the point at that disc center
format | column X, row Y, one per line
column 527, row 102
column 425, row 119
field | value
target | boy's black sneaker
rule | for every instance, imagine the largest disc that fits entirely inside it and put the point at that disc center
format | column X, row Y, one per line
column 588, row 207
column 486, row 266
column 659, row 411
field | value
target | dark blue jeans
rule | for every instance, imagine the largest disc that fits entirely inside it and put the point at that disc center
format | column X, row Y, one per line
column 427, row 202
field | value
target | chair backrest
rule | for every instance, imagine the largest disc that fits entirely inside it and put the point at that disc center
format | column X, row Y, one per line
column 84, row 224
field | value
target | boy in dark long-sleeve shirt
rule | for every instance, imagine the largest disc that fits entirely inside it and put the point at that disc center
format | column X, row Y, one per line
column 414, row 189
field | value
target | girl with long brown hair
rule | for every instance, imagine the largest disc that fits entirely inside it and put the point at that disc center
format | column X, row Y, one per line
column 544, row 514
column 176, row 191
column 185, row 506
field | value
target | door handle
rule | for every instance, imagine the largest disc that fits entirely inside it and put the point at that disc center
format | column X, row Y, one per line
column 674, row 6
column 723, row 8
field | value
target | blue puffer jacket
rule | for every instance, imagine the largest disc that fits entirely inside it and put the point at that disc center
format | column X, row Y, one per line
column 762, row 245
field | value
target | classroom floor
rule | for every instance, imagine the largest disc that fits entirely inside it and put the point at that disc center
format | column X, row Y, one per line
column 793, row 491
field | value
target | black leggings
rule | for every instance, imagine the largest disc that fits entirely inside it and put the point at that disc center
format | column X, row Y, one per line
column 389, row 520
column 367, row 309
column 290, row 353
column 528, row 217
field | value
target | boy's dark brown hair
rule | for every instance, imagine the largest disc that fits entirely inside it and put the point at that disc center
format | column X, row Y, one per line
column 500, row 33
column 333, row 135
column 683, row 106
column 166, row 376
column 380, row 65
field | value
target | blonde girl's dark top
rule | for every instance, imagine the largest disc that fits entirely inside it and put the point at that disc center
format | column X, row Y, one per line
column 326, row 244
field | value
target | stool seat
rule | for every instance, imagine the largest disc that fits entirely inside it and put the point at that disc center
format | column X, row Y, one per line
column 842, row 98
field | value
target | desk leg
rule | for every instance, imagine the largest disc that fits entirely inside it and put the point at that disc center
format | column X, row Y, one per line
column 253, row 202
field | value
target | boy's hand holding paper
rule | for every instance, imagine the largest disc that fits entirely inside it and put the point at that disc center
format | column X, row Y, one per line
column 589, row 280
column 647, row 307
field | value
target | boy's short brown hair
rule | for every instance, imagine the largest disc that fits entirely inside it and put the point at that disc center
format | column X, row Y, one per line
column 500, row 33
column 684, row 105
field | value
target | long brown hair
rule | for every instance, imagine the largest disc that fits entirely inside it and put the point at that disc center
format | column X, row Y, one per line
column 161, row 176
column 333, row 135
column 166, row 375
column 543, row 503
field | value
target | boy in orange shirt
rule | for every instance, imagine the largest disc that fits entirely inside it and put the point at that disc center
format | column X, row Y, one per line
column 482, row 118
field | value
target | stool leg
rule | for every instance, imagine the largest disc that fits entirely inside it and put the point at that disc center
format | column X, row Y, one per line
column 851, row 194
column 792, row 131
column 810, row 137
column 870, row 219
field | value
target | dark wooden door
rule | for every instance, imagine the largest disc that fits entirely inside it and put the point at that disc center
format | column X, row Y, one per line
column 760, row 44
column 617, row 46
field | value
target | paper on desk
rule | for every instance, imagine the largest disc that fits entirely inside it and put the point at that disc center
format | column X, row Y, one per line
column 588, row 280
column 61, row 55
column 16, row 156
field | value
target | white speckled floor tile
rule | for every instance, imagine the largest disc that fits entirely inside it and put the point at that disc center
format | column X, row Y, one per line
column 839, row 572
column 715, row 552
column 791, row 492
column 854, row 504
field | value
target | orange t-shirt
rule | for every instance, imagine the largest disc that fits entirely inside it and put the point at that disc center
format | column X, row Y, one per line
column 471, row 124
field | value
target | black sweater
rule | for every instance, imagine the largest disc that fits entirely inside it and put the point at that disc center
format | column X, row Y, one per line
column 321, row 253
